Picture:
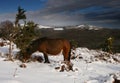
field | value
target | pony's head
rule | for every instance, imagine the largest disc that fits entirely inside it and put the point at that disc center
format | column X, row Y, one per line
column 29, row 50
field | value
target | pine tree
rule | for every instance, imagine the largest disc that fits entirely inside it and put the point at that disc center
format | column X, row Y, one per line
column 20, row 16
column 26, row 34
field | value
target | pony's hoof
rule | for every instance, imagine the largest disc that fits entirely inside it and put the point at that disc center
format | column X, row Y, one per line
column 46, row 62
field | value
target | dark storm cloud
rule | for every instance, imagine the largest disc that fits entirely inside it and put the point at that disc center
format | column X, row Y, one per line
column 104, row 11
column 72, row 12
column 57, row 6
column 69, row 5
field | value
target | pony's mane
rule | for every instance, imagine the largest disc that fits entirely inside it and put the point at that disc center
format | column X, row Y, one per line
column 36, row 41
column 43, row 38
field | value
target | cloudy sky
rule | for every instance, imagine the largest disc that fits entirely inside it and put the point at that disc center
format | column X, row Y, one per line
column 104, row 13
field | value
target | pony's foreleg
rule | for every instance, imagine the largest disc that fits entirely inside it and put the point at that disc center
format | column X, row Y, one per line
column 65, row 55
column 46, row 58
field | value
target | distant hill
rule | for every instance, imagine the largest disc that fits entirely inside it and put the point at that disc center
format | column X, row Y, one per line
column 90, row 37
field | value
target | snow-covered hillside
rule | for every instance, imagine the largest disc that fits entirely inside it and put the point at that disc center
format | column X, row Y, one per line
column 89, row 66
column 89, row 27
column 82, row 27
column 41, row 26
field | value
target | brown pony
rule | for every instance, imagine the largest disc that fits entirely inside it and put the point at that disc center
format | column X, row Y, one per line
column 49, row 46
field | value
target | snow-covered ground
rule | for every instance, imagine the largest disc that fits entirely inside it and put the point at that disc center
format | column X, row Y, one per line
column 89, row 67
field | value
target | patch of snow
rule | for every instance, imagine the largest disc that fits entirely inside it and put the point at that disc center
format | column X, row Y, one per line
column 89, row 27
column 86, row 69
column 58, row 29
column 41, row 26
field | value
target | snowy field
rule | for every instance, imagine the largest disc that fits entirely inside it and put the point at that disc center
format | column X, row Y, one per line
column 89, row 66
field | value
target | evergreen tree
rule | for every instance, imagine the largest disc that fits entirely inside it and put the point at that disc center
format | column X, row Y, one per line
column 25, row 36
column 20, row 16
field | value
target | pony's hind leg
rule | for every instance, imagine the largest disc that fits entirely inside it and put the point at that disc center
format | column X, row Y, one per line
column 67, row 53
column 46, row 58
